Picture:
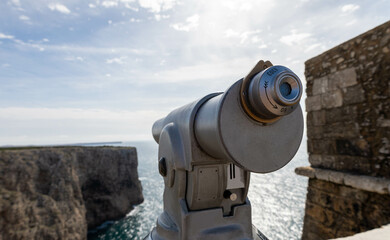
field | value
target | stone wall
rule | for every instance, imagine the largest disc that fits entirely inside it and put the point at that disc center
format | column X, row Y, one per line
column 58, row 193
column 334, row 210
column 348, row 130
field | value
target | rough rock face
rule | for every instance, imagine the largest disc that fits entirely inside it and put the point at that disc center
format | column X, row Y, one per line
column 57, row 193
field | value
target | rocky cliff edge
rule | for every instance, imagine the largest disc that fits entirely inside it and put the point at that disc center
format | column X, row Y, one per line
column 60, row 192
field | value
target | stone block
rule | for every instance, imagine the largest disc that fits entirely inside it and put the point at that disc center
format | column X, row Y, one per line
column 316, row 212
column 322, row 161
column 322, row 174
column 354, row 94
column 342, row 79
column 324, row 215
column 352, row 147
column 313, row 103
column 305, row 171
column 356, row 164
column 320, row 85
column 342, row 130
column 319, row 197
column 328, row 161
column 313, row 229
column 336, row 177
column 383, row 123
column 340, row 60
column 321, row 146
column 332, row 99
column 352, row 193
column 318, row 118
column 367, row 183
column 345, row 113
column 315, row 132
column 315, row 159
column 385, row 146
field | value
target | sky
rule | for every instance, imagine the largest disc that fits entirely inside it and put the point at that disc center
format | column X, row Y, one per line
column 104, row 70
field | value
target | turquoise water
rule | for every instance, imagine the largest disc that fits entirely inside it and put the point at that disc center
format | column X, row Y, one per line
column 278, row 199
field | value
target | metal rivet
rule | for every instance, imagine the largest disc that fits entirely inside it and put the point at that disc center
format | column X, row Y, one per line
column 233, row 197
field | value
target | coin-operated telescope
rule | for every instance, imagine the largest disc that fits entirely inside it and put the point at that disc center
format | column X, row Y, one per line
column 208, row 148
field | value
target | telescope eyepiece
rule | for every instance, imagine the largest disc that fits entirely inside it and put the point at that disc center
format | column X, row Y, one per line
column 285, row 89
column 273, row 93
column 289, row 91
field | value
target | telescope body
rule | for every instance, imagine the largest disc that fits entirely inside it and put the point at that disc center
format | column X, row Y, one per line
column 208, row 148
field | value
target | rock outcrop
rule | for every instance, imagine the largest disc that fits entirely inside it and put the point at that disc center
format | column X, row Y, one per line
column 60, row 192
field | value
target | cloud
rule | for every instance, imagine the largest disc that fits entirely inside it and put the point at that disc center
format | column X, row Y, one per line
column 115, row 3
column 119, row 60
column 251, row 37
column 5, row 36
column 349, row 8
column 59, row 7
column 158, row 17
column 98, row 50
column 238, row 5
column 76, row 49
column 21, row 43
column 231, row 33
column 220, row 45
column 190, row 24
column 24, row 18
column 73, row 59
column 352, row 22
column 245, row 35
column 294, row 38
column 128, row 6
column 108, row 4
column 135, row 20
column 218, row 72
column 16, row 3
column 313, row 46
column 157, row 6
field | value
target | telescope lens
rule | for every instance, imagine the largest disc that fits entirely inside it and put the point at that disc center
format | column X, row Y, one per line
column 285, row 90
column 289, row 89
column 274, row 92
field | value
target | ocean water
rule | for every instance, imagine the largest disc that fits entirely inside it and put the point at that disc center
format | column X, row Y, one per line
column 278, row 199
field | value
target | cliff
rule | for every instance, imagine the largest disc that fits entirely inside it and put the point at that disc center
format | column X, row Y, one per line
column 58, row 193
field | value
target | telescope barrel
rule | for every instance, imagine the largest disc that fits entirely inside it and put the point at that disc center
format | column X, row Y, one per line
column 257, row 124
column 226, row 131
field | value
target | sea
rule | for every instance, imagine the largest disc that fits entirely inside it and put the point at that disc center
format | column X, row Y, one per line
column 277, row 198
